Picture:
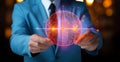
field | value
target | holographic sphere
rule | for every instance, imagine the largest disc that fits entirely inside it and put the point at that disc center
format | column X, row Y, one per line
column 63, row 28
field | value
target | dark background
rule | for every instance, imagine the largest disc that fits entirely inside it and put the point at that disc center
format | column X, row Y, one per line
column 108, row 25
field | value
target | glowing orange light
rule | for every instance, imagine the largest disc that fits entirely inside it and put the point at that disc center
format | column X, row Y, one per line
column 75, row 28
column 7, row 32
column 19, row 0
column 89, row 2
column 62, row 28
column 53, row 28
column 107, row 3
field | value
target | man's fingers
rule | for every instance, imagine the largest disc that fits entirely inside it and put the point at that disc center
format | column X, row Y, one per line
column 35, row 37
column 38, row 43
column 37, row 50
column 89, row 37
column 86, row 38
column 39, row 39
column 33, row 44
column 82, row 37
column 45, row 42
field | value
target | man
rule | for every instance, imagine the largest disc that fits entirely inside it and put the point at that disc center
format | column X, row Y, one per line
column 33, row 44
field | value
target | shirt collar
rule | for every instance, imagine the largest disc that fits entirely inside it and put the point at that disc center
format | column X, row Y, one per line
column 46, row 4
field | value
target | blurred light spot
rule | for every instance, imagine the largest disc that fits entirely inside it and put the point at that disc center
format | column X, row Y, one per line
column 62, row 28
column 97, row 30
column 7, row 32
column 80, row 0
column 75, row 28
column 89, row 2
column 53, row 28
column 109, row 12
column 19, row 0
column 107, row 3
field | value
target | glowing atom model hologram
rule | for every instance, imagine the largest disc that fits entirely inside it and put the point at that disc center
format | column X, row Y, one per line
column 62, row 28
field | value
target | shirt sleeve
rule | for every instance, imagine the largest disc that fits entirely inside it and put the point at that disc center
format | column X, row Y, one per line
column 20, row 33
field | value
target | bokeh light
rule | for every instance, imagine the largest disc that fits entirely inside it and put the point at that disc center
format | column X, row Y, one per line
column 109, row 12
column 19, row 0
column 80, row 0
column 107, row 3
column 7, row 32
column 89, row 2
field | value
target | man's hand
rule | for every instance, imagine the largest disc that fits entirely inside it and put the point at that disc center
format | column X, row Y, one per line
column 88, row 41
column 38, row 44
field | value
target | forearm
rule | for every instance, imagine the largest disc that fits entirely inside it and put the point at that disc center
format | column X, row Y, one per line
column 19, row 44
